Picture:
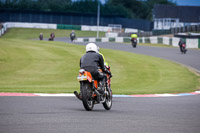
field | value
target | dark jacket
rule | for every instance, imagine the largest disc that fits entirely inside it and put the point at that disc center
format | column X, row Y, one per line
column 182, row 41
column 73, row 35
column 91, row 61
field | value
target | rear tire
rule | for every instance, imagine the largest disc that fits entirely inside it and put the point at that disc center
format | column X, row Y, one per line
column 135, row 45
column 87, row 99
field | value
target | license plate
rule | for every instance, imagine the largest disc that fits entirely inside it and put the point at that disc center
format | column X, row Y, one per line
column 82, row 78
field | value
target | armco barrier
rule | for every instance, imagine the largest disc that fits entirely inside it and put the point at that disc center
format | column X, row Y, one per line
column 190, row 43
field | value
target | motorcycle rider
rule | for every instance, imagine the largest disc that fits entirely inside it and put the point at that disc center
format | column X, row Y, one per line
column 91, row 62
column 52, row 36
column 181, row 42
column 41, row 36
column 134, row 38
column 105, row 63
column 72, row 35
column 101, row 54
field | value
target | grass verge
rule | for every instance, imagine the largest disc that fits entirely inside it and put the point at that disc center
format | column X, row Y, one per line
column 29, row 33
column 52, row 67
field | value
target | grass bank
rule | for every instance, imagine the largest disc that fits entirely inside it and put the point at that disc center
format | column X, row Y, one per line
column 52, row 67
column 29, row 33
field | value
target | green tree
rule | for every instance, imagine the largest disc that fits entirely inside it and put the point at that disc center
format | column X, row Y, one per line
column 150, row 5
column 84, row 6
column 140, row 8
column 134, row 7
column 126, row 8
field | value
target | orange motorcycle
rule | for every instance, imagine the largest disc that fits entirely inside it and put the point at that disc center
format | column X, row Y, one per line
column 89, row 94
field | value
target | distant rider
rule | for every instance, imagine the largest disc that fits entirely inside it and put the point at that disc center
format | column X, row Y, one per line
column 134, row 40
column 133, row 36
column 41, row 36
column 52, row 36
column 181, row 42
column 72, row 35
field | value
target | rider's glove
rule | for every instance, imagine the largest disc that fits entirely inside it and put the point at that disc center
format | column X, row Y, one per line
column 107, row 71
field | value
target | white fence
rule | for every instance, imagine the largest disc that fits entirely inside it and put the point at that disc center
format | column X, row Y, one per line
column 30, row 25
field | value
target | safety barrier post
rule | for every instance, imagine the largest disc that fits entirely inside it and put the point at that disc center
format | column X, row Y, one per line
column 170, row 41
column 199, row 43
column 160, row 40
column 147, row 40
column 111, row 39
column 98, row 40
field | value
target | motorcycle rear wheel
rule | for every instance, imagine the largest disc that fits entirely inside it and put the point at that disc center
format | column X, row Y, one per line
column 87, row 99
column 134, row 45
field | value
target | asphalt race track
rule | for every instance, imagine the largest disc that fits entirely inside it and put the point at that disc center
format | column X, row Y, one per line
column 191, row 58
column 128, row 115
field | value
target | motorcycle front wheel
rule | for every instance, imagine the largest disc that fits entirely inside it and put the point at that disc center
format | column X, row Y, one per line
column 108, row 103
column 87, row 99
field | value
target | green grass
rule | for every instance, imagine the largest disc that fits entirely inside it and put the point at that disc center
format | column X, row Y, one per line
column 52, row 67
column 29, row 33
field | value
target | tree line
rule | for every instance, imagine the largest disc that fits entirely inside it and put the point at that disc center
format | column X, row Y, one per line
column 141, row 9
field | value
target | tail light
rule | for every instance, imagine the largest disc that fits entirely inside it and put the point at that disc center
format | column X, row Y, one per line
column 81, row 71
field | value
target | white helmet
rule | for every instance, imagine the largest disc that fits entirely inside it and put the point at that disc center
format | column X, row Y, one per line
column 91, row 47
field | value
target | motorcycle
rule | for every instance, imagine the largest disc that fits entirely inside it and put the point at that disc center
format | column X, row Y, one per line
column 72, row 37
column 52, row 36
column 90, row 95
column 134, row 42
column 41, row 37
column 183, row 49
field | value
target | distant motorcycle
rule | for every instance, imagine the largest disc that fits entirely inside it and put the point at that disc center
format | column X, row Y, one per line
column 134, row 42
column 41, row 36
column 52, row 36
column 72, row 37
column 183, row 49
column 89, row 94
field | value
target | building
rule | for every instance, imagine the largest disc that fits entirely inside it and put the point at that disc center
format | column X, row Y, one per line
column 169, row 16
